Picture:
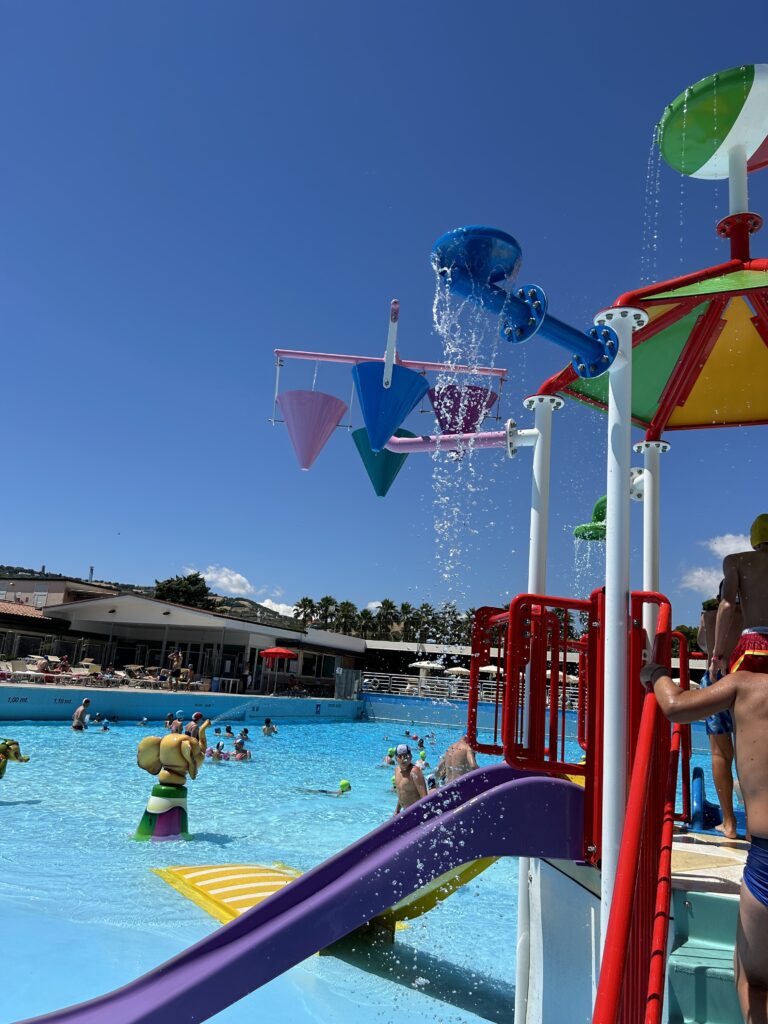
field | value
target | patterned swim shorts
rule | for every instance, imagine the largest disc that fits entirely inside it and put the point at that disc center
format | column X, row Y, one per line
column 719, row 723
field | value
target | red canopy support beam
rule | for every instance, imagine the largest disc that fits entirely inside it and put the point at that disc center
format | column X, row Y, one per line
column 701, row 342
column 759, row 302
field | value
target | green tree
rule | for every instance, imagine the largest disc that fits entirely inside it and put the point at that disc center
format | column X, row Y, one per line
column 366, row 623
column 425, row 622
column 449, row 623
column 465, row 626
column 690, row 633
column 326, row 608
column 386, row 618
column 345, row 617
column 305, row 609
column 191, row 590
column 408, row 622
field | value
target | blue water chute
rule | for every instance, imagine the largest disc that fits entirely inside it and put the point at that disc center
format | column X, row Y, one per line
column 477, row 260
column 385, row 409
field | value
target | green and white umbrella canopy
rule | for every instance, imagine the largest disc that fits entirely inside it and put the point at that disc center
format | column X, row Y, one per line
column 729, row 109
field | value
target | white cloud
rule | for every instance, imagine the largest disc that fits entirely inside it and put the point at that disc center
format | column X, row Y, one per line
column 221, row 579
column 283, row 609
column 728, row 544
column 373, row 606
column 702, row 581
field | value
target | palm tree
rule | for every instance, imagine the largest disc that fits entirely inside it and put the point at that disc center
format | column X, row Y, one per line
column 366, row 623
column 305, row 609
column 326, row 607
column 345, row 617
column 386, row 617
column 408, row 621
column 449, row 621
column 425, row 622
column 466, row 626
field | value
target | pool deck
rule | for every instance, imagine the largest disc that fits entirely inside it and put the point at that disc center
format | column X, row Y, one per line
column 708, row 862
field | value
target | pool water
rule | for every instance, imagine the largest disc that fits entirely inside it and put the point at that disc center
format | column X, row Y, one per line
column 83, row 913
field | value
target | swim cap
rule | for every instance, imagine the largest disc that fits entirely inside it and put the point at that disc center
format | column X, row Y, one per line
column 391, row 751
column 403, row 748
column 197, row 716
column 345, row 786
column 423, row 755
column 758, row 532
column 179, row 714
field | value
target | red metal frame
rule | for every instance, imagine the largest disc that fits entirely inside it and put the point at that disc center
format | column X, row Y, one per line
column 702, row 340
column 530, row 718
column 632, row 977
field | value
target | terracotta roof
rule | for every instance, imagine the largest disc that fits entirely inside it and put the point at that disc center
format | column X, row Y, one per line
column 18, row 608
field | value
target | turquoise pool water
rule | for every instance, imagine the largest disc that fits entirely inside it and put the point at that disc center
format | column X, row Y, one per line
column 83, row 913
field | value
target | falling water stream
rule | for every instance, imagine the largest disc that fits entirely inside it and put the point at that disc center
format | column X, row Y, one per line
column 464, row 498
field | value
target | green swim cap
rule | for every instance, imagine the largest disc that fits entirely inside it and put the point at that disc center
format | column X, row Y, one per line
column 345, row 786
column 423, row 755
column 391, row 751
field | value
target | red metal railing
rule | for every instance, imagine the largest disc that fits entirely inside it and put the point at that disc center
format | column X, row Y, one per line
column 631, row 986
column 529, row 643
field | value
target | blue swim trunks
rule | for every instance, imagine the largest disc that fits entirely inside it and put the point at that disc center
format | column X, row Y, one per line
column 756, row 869
column 721, row 722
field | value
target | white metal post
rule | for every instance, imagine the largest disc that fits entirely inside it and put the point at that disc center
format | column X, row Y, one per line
column 651, row 452
column 623, row 320
column 738, row 201
column 543, row 406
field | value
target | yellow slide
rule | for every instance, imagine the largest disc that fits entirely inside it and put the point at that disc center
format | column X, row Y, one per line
column 227, row 890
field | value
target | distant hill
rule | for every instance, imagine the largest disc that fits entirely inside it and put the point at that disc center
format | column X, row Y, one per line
column 234, row 607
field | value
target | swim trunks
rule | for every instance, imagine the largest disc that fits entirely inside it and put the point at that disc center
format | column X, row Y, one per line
column 720, row 722
column 756, row 869
column 751, row 652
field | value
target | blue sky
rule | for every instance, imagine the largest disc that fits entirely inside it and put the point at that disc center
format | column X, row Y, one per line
column 189, row 185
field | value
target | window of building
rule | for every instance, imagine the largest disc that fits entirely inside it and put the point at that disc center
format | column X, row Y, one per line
column 39, row 600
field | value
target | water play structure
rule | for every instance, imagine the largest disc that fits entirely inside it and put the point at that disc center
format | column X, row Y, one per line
column 596, row 846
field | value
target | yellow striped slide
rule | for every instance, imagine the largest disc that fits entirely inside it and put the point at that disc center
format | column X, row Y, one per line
column 227, row 890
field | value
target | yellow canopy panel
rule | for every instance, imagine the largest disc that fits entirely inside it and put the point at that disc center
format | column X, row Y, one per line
column 730, row 388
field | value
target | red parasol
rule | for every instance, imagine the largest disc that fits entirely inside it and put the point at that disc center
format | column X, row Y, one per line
column 273, row 653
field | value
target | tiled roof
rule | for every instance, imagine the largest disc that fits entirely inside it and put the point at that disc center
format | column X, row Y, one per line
column 18, row 608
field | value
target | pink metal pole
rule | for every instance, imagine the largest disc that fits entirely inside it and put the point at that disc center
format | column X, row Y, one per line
column 411, row 364
column 447, row 442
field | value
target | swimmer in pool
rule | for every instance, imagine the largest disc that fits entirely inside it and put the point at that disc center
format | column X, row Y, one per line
column 344, row 787
column 409, row 779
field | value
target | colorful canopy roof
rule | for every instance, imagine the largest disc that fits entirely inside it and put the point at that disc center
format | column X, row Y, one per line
column 702, row 359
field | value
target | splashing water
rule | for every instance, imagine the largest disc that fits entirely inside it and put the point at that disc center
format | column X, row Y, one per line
column 462, row 484
column 588, row 565
column 683, row 176
column 651, row 203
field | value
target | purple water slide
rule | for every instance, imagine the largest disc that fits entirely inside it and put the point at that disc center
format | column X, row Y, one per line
column 489, row 813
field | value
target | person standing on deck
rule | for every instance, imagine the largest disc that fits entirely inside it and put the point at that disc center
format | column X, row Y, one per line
column 745, row 695
column 720, row 725
column 746, row 578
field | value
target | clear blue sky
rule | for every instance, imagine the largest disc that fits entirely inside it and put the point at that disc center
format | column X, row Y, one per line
column 188, row 185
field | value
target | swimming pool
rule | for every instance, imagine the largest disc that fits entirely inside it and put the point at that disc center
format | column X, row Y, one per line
column 83, row 912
